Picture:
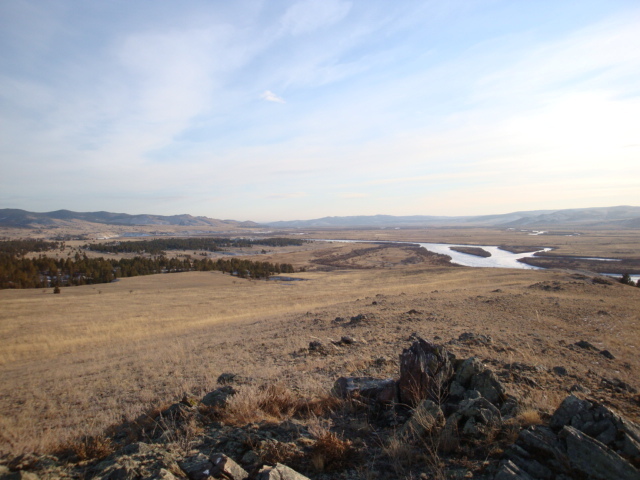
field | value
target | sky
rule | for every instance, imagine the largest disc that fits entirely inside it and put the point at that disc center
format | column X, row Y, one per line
column 281, row 110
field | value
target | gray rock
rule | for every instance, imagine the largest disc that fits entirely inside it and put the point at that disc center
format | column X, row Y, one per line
column 427, row 418
column 586, row 345
column 425, row 371
column 473, row 375
column 467, row 370
column 178, row 411
column 219, row 397
column 560, row 371
column 476, row 418
column 489, row 387
column 279, row 472
column 607, row 354
column 319, row 348
column 456, row 390
column 225, row 467
column 584, row 440
column 137, row 460
column 600, row 423
column 509, row 407
column 347, row 340
column 357, row 319
column 378, row 390
column 618, row 385
column 594, row 460
column 510, row 471
column 570, row 409
column 538, row 453
column 19, row 475
column 250, row 458
column 197, row 467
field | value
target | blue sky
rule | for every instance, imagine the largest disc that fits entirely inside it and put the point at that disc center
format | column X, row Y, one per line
column 280, row 110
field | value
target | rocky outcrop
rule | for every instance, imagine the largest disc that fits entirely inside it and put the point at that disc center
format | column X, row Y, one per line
column 427, row 418
column 476, row 418
column 583, row 440
column 224, row 467
column 138, row 460
column 438, row 405
column 279, row 472
column 425, row 371
column 371, row 389
column 219, row 397
column 600, row 423
column 473, row 375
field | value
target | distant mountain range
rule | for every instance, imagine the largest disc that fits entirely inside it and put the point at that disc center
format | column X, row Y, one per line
column 612, row 217
column 21, row 218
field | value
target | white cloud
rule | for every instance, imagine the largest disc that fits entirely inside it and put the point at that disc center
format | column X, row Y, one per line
column 269, row 96
column 309, row 15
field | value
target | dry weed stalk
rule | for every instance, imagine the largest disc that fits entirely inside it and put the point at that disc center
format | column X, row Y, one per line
column 330, row 452
column 88, row 448
column 400, row 452
column 180, row 433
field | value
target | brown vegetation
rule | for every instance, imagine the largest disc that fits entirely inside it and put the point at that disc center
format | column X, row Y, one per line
column 72, row 365
column 477, row 251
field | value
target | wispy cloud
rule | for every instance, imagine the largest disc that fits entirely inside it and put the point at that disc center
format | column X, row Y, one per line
column 306, row 16
column 404, row 106
column 269, row 96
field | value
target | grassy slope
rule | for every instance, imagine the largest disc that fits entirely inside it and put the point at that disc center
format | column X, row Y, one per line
column 77, row 362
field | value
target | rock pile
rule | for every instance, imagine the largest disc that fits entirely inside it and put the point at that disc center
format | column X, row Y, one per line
column 451, row 405
column 462, row 401
column 583, row 440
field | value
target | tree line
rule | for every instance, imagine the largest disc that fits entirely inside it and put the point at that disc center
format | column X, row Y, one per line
column 210, row 244
column 24, row 246
column 42, row 271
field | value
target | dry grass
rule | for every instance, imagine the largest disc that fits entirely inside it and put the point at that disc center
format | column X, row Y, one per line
column 273, row 402
column 528, row 417
column 330, row 452
column 87, row 448
column 75, row 363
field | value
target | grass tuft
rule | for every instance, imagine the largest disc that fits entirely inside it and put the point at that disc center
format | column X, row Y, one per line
column 87, row 448
column 330, row 452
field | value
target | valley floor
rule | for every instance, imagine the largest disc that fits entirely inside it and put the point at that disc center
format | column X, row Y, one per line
column 95, row 356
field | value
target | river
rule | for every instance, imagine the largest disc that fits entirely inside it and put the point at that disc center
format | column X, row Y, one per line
column 498, row 259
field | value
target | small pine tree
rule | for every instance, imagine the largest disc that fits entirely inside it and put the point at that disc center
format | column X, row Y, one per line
column 626, row 279
column 56, row 289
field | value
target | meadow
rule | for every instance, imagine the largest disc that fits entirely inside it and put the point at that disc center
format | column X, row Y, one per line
column 97, row 355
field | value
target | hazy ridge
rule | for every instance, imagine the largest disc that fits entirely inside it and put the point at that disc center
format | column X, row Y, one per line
column 617, row 217
column 25, row 219
column 601, row 217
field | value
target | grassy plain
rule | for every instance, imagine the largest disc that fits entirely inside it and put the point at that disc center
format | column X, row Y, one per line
column 75, row 363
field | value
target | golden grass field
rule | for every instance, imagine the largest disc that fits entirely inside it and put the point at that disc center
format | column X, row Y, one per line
column 93, row 356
